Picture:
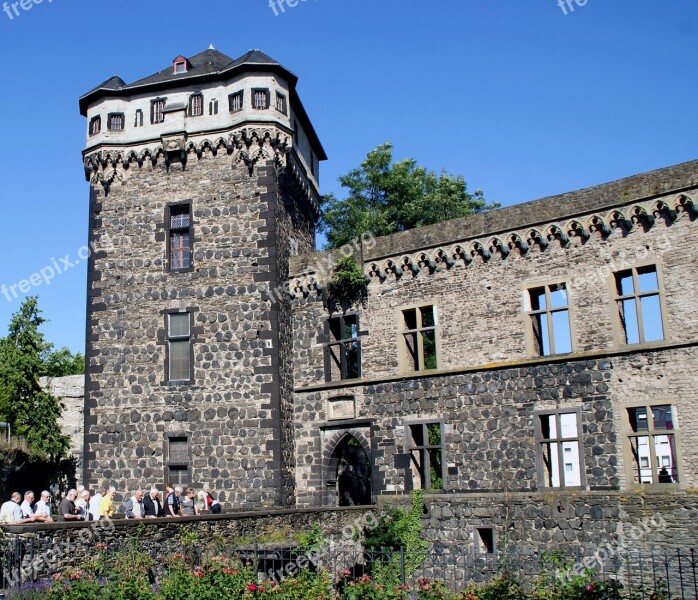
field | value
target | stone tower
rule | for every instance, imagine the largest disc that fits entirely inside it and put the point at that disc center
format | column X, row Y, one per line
column 203, row 182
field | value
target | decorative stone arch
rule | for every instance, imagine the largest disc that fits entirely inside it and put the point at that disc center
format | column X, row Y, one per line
column 331, row 457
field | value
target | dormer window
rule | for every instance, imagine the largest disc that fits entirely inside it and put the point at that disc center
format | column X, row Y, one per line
column 181, row 65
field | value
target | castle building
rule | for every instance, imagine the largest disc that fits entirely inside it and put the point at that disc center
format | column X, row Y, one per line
column 204, row 181
column 531, row 368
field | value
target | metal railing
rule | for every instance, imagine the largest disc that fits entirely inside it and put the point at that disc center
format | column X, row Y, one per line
column 672, row 573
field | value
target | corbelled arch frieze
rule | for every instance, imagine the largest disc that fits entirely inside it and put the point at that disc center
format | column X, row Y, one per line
column 248, row 146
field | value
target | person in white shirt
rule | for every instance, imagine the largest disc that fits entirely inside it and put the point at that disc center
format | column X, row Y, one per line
column 94, row 505
column 26, row 506
column 134, row 506
column 42, row 509
column 11, row 512
column 83, row 503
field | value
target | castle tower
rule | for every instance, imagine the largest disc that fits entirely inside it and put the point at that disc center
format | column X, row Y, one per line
column 203, row 182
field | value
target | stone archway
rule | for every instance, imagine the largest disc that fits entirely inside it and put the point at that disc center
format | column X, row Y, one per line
column 348, row 470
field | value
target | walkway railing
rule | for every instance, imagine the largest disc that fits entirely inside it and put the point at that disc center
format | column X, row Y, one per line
column 671, row 572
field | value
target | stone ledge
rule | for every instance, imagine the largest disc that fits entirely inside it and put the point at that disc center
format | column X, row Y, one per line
column 500, row 366
column 226, row 516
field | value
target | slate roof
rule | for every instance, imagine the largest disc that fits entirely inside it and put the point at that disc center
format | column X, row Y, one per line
column 207, row 65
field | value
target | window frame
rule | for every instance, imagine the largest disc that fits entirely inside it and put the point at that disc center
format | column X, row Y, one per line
column 190, row 110
column 478, row 543
column 267, row 96
column 179, row 338
column 342, row 342
column 169, row 230
column 540, row 441
column 96, row 120
column 619, row 331
column 153, row 112
column 113, row 115
column 281, row 97
column 651, row 433
column 405, row 358
column 169, row 464
column 529, row 314
column 410, row 448
column 139, row 118
column 241, row 95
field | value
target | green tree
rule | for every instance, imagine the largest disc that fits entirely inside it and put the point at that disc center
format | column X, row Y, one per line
column 32, row 413
column 59, row 363
column 385, row 197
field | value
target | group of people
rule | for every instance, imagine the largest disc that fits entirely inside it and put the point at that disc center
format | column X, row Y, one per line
column 79, row 505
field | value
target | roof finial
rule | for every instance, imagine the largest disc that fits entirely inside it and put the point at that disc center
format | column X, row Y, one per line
column 211, row 47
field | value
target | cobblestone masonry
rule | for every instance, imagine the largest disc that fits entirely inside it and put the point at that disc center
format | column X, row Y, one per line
column 489, row 383
column 231, row 412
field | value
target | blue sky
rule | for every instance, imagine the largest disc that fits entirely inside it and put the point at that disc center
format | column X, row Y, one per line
column 520, row 98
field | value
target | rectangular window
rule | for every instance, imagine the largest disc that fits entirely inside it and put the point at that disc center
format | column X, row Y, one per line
column 425, row 445
column 653, row 444
column 485, row 540
column 295, row 131
column 419, row 336
column 281, row 103
column 95, row 125
column 115, row 122
column 177, row 469
column 548, row 313
column 213, row 107
column 196, row 105
column 260, row 99
column 559, row 449
column 157, row 111
column 343, row 352
column 139, row 118
column 638, row 300
column 235, row 102
column 179, row 226
column 179, row 346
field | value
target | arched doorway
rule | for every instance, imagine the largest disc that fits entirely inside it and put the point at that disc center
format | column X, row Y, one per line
column 353, row 472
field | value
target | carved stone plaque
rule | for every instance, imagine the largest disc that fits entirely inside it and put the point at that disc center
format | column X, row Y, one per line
column 341, row 408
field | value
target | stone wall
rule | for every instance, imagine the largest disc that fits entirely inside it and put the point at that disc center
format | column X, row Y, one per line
column 479, row 304
column 66, row 544
column 491, row 384
column 71, row 391
column 525, row 525
column 230, row 412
